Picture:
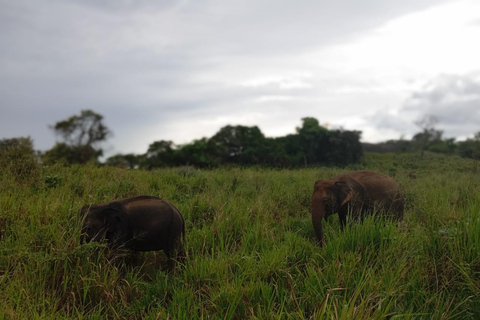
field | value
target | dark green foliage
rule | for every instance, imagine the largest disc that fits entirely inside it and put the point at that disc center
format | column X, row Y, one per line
column 429, row 139
column 53, row 181
column 200, row 153
column 84, row 129
column 231, row 145
column 159, row 154
column 345, row 147
column 315, row 145
column 125, row 161
column 18, row 159
column 66, row 154
column 470, row 148
column 246, row 146
column 238, row 145
column 81, row 134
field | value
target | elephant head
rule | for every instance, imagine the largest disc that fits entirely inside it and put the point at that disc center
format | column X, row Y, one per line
column 104, row 222
column 329, row 196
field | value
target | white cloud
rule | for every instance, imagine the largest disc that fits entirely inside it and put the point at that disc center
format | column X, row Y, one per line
column 416, row 46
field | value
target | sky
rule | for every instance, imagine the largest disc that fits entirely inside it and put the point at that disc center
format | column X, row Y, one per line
column 181, row 70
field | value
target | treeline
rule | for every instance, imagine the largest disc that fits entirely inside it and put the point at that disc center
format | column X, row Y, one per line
column 429, row 139
column 312, row 144
column 470, row 148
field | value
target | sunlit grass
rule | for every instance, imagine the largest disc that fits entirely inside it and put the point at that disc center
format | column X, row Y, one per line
column 251, row 248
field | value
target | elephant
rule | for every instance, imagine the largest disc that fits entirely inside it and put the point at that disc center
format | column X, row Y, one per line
column 141, row 223
column 357, row 194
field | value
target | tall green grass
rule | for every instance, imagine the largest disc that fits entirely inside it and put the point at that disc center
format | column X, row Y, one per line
column 251, row 248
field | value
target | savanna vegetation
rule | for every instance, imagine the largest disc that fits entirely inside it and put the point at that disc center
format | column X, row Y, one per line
column 251, row 249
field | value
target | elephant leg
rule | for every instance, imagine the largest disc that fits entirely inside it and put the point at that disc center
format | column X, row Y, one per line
column 174, row 253
column 399, row 208
column 180, row 252
column 343, row 219
column 170, row 260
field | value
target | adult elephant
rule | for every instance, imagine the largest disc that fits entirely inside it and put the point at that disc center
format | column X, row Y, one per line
column 355, row 193
column 142, row 223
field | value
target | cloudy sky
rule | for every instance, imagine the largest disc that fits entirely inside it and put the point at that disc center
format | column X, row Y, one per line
column 180, row 70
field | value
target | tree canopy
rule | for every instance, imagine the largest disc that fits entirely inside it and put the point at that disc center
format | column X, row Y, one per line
column 311, row 145
column 18, row 157
column 81, row 135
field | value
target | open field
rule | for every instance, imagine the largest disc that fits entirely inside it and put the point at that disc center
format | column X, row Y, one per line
column 251, row 247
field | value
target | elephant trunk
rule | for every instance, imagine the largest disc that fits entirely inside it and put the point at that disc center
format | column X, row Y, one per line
column 318, row 213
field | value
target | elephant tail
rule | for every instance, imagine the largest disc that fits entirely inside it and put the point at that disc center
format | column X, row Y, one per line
column 183, row 250
column 182, row 240
column 183, row 230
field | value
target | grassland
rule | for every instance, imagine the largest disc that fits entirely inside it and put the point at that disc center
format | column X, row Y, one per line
column 251, row 247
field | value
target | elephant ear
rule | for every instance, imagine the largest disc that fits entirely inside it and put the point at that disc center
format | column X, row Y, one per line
column 84, row 211
column 113, row 216
column 349, row 196
column 345, row 192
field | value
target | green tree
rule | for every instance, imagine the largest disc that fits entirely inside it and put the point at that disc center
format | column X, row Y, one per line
column 429, row 136
column 313, row 145
column 312, row 140
column 238, row 144
column 275, row 154
column 81, row 136
column 18, row 158
column 200, row 153
column 126, row 161
column 470, row 148
column 66, row 154
column 243, row 145
column 160, row 154
column 344, row 147
column 443, row 146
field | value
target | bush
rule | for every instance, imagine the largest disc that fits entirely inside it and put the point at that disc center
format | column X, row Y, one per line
column 17, row 158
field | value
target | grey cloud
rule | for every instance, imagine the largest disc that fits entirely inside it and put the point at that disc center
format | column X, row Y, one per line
column 446, row 89
column 142, row 63
column 454, row 99
column 475, row 23
column 127, row 5
column 386, row 120
column 218, row 27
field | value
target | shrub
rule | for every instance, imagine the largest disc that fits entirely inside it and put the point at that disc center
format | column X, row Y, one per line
column 17, row 158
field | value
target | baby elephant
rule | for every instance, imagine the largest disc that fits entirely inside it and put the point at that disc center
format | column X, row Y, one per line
column 142, row 223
